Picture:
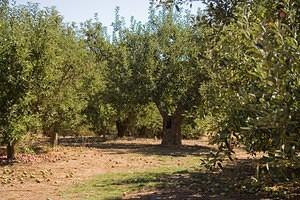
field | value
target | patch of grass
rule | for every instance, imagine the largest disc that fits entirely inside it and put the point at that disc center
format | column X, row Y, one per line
column 113, row 186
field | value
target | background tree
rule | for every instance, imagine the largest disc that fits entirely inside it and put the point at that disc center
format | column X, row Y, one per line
column 100, row 114
column 56, row 56
column 125, row 82
column 175, row 75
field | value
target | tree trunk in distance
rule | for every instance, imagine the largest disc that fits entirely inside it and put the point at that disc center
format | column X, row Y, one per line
column 121, row 128
column 10, row 151
column 54, row 139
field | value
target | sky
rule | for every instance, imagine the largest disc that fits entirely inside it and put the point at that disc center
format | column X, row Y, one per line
column 81, row 10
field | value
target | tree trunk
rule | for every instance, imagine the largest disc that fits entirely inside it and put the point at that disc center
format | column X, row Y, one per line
column 121, row 127
column 171, row 130
column 10, row 151
column 54, row 139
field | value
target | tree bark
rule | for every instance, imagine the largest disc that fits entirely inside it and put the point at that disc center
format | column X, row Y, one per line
column 121, row 127
column 10, row 151
column 172, row 130
column 54, row 139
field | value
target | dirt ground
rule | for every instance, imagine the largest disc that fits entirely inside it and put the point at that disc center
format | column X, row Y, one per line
column 46, row 176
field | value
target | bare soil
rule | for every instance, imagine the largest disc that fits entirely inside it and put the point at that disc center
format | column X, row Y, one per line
column 46, row 176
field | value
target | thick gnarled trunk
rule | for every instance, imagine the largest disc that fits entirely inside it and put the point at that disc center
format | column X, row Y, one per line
column 172, row 130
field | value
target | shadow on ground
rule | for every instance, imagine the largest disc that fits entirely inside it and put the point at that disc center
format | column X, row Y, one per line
column 142, row 148
column 235, row 182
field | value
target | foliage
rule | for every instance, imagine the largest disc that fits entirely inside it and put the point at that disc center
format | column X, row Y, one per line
column 41, row 72
column 15, row 75
column 255, row 87
column 99, row 114
column 149, row 122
